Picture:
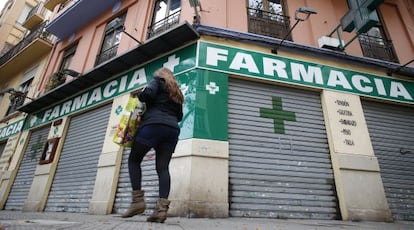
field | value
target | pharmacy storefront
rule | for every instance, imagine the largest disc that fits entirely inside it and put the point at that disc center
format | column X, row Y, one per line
column 262, row 136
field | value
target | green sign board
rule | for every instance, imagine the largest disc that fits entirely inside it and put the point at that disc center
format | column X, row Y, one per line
column 202, row 71
column 179, row 61
column 291, row 71
column 11, row 129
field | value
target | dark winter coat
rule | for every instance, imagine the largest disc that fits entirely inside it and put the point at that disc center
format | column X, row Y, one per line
column 160, row 108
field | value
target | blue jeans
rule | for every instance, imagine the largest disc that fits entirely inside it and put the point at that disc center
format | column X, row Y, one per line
column 164, row 140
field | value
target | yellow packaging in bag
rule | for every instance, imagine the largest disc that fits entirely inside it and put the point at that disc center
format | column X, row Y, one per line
column 128, row 124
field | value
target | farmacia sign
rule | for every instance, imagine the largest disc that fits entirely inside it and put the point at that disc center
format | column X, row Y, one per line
column 275, row 68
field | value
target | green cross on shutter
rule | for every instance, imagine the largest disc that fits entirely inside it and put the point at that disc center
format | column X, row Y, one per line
column 360, row 15
column 278, row 115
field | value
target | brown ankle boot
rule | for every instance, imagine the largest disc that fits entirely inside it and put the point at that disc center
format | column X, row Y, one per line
column 137, row 205
column 160, row 211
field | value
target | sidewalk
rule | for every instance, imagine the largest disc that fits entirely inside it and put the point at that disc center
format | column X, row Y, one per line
column 17, row 220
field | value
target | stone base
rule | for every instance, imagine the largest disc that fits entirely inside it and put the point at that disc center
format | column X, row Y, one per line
column 198, row 209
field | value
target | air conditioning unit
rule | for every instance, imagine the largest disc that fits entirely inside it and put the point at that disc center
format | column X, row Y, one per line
column 330, row 43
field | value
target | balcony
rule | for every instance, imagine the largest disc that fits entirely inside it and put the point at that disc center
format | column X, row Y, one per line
column 37, row 44
column 35, row 17
column 267, row 23
column 179, row 36
column 164, row 24
column 51, row 4
column 378, row 48
column 78, row 15
column 106, row 55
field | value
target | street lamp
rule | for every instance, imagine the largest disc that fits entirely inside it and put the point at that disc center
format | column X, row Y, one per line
column 301, row 14
column 16, row 97
column 14, row 93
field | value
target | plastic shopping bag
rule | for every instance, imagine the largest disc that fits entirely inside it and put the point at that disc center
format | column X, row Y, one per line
column 128, row 124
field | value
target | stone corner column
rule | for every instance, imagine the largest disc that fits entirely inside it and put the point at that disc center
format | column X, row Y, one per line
column 357, row 174
column 109, row 165
column 199, row 179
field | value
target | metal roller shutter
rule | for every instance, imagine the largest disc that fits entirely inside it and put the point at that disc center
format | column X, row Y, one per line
column 149, row 183
column 25, row 174
column 276, row 175
column 2, row 147
column 74, row 179
column 391, row 128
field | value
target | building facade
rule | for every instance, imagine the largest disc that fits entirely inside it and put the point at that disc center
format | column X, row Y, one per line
column 24, row 48
column 293, row 109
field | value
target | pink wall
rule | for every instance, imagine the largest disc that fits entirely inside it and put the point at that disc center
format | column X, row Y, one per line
column 89, row 39
column 400, row 28
column 232, row 14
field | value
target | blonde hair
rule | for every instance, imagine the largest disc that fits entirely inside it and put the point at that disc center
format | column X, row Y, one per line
column 174, row 91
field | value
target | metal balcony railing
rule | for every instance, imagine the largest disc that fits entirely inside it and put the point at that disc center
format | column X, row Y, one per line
column 377, row 47
column 40, row 32
column 106, row 54
column 267, row 23
column 164, row 24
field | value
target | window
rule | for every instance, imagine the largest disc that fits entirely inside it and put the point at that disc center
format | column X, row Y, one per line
column 166, row 14
column 17, row 99
column 267, row 17
column 271, row 6
column 58, row 78
column 24, row 13
column 67, row 57
column 111, row 40
column 375, row 43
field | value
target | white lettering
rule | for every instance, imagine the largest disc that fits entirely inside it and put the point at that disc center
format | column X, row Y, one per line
column 398, row 89
column 18, row 127
column 55, row 113
column 3, row 133
column 244, row 61
column 380, row 87
column 46, row 115
column 110, row 89
column 96, row 96
column 79, row 101
column 338, row 78
column 65, row 108
column 357, row 82
column 138, row 79
column 272, row 65
column 122, row 84
column 9, row 130
column 313, row 75
column 214, row 55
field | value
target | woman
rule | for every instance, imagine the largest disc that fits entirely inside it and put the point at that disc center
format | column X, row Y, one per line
column 159, row 130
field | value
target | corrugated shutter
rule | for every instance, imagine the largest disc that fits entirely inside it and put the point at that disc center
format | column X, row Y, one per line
column 275, row 175
column 2, row 147
column 25, row 174
column 149, row 183
column 74, row 180
column 391, row 128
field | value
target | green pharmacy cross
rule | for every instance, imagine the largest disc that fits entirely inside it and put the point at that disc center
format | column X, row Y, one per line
column 278, row 115
column 361, row 15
